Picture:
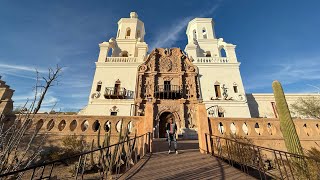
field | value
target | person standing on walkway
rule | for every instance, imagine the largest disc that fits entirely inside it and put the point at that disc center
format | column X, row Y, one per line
column 171, row 132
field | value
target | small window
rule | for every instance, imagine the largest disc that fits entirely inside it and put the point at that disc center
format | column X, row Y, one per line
column 118, row 33
column 99, row 87
column 113, row 113
column 204, row 33
column 194, row 34
column 128, row 32
column 223, row 52
column 217, row 91
column 235, row 89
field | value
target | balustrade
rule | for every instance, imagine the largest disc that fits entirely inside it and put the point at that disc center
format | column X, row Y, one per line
column 212, row 60
column 117, row 93
column 121, row 59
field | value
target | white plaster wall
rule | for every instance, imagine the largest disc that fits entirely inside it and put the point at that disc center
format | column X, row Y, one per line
column 108, row 74
column 260, row 103
column 103, row 106
column 227, row 74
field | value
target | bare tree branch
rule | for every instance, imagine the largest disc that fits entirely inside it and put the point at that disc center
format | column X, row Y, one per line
column 53, row 75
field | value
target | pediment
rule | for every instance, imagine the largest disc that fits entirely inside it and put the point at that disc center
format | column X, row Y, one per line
column 165, row 60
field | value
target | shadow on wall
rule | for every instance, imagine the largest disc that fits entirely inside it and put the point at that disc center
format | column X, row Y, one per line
column 253, row 106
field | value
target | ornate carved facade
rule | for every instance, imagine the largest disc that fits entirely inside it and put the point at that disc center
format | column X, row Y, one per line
column 170, row 80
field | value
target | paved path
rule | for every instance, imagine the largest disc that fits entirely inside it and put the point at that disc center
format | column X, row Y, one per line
column 188, row 164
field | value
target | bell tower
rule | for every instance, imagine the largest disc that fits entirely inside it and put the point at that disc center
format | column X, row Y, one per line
column 114, row 82
column 128, row 43
column 219, row 74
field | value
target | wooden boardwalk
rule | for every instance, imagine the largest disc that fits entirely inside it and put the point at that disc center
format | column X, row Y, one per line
column 188, row 164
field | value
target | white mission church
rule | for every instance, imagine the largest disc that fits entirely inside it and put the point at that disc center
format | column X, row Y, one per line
column 206, row 71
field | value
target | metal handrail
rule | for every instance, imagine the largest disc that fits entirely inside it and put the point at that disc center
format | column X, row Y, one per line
column 79, row 155
column 267, row 162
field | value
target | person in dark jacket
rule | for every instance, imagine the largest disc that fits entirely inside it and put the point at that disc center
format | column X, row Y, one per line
column 171, row 132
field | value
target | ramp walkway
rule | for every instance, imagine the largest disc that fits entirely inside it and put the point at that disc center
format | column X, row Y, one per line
column 188, row 164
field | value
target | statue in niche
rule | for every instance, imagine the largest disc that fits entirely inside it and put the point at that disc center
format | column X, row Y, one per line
column 189, row 88
column 225, row 91
column 149, row 88
column 190, row 120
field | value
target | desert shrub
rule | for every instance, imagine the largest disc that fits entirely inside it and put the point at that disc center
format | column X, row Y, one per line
column 71, row 145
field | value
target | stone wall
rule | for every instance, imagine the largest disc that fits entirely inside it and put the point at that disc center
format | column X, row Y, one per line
column 266, row 131
column 59, row 126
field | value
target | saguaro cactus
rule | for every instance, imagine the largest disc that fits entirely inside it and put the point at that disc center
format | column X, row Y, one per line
column 287, row 126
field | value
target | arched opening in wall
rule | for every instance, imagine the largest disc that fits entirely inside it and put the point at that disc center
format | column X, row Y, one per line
column 117, row 86
column 233, row 128
column 217, row 89
column 128, row 32
column 62, row 125
column 73, row 125
column 204, row 33
column 208, row 54
column 99, row 85
column 39, row 124
column 307, row 130
column 130, row 126
column 124, row 54
column 50, row 125
column 270, row 129
column 220, row 128
column 96, row 125
column 235, row 88
column 163, row 121
column 119, row 126
column 194, row 32
column 138, row 34
column 317, row 129
column 245, row 128
column 223, row 52
column 107, row 126
column 258, row 129
column 28, row 123
column 84, row 125
column 118, row 33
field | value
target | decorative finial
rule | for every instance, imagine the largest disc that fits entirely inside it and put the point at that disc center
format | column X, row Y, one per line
column 133, row 15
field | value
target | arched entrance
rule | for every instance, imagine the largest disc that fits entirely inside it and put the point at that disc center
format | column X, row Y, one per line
column 163, row 120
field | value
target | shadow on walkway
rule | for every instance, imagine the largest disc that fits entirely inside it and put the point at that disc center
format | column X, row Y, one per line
column 188, row 164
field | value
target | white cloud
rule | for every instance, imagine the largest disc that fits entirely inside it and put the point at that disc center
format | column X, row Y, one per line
column 288, row 71
column 21, row 68
column 169, row 37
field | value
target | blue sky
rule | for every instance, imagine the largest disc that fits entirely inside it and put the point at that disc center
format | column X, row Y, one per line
column 275, row 40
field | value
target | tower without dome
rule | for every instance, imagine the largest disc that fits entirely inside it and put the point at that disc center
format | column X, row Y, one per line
column 114, row 82
column 221, row 85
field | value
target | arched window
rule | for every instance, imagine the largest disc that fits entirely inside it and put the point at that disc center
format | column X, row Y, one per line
column 204, row 33
column 117, row 87
column 223, row 52
column 118, row 33
column 217, row 89
column 128, row 32
column 99, row 84
column 235, row 88
column 194, row 34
